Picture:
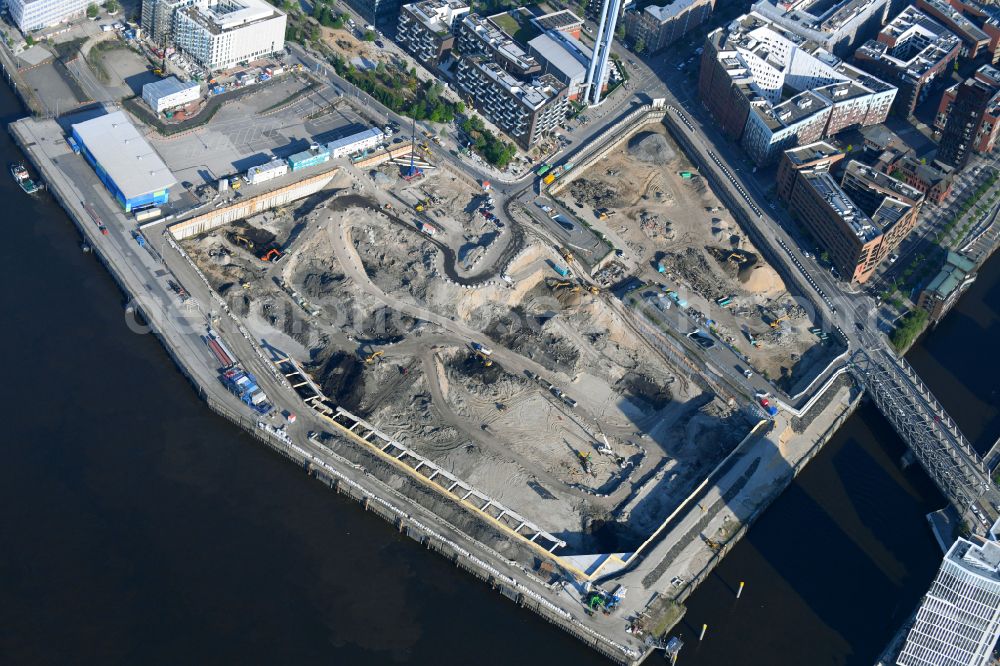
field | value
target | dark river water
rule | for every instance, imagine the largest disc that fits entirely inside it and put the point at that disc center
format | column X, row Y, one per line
column 138, row 528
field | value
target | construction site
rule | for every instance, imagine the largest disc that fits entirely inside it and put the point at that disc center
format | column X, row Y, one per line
column 651, row 196
column 383, row 287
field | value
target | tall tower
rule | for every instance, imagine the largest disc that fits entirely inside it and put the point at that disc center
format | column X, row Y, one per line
column 597, row 72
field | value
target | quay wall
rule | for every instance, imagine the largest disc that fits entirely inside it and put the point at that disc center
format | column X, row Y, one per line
column 374, row 495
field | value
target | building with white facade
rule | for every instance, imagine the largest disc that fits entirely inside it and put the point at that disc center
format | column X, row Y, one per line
column 30, row 15
column 368, row 139
column 958, row 622
column 169, row 93
column 218, row 34
column 773, row 89
column 265, row 172
column 836, row 26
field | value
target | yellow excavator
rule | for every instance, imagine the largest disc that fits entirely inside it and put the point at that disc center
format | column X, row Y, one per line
column 555, row 285
column 374, row 356
column 774, row 324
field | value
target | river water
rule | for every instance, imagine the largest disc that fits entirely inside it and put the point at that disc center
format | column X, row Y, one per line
column 137, row 527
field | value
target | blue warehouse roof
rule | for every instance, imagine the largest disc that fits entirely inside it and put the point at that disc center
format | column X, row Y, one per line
column 124, row 154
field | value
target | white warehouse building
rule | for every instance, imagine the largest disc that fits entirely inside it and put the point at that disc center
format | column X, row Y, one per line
column 355, row 143
column 218, row 34
column 30, row 15
column 265, row 172
column 169, row 93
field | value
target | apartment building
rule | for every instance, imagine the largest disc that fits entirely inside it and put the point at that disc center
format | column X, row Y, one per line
column 426, row 30
column 217, row 34
column 860, row 221
column 481, row 36
column 971, row 118
column 747, row 73
column 837, row 27
column 660, row 26
column 974, row 39
column 933, row 180
column 910, row 52
column 525, row 111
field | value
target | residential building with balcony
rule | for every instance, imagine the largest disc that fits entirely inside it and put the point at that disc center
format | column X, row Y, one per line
column 481, row 36
column 525, row 111
column 426, row 30
column 958, row 621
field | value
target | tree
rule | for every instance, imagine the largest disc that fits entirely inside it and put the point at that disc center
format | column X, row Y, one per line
column 640, row 45
column 112, row 6
column 91, row 11
column 29, row 40
column 369, row 36
column 620, row 32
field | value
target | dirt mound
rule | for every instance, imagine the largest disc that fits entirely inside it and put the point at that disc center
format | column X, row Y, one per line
column 321, row 285
column 762, row 279
column 342, row 379
column 651, row 148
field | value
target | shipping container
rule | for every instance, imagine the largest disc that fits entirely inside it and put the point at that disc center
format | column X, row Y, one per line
column 308, row 158
column 147, row 214
column 265, row 172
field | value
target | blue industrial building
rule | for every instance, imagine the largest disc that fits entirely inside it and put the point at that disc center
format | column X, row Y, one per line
column 124, row 161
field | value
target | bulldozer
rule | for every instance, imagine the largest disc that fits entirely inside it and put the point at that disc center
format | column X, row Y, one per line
column 375, row 356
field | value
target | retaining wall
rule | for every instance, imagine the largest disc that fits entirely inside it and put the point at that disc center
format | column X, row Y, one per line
column 247, row 207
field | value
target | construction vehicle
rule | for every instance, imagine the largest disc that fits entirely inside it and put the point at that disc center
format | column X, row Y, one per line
column 774, row 324
column 605, row 213
column 565, row 253
column 375, row 356
column 272, row 255
column 485, row 358
column 562, row 270
column 235, row 183
column 594, row 290
column 242, row 241
column 585, row 462
column 555, row 284
column 501, row 407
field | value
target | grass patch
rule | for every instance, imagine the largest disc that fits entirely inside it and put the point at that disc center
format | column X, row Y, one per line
column 68, row 50
column 96, row 58
column 663, row 615
column 909, row 328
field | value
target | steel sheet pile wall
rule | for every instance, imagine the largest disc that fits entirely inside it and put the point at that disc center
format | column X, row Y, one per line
column 252, row 206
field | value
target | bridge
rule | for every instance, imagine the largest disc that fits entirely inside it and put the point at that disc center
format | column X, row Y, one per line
column 959, row 472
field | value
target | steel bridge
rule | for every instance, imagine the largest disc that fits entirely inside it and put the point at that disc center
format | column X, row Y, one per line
column 959, row 472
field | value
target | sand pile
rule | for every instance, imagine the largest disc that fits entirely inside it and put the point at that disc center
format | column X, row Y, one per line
column 762, row 279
